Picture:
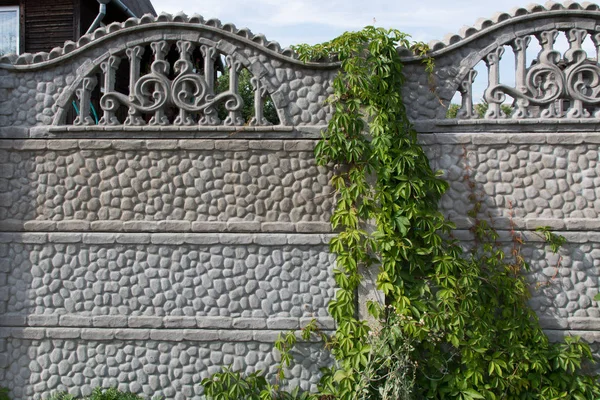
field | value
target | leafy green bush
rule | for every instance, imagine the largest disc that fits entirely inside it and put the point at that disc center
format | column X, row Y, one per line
column 480, row 110
column 100, row 394
column 246, row 91
column 452, row 111
column 229, row 384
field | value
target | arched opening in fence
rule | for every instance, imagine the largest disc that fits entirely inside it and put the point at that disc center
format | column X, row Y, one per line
column 561, row 80
column 163, row 83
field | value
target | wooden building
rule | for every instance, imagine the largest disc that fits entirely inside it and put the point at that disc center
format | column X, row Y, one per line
column 40, row 25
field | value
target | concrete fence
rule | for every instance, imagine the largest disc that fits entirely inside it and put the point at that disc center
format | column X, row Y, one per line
column 151, row 232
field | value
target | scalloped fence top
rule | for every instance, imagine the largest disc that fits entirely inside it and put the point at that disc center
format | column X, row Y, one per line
column 148, row 21
column 164, row 71
column 450, row 41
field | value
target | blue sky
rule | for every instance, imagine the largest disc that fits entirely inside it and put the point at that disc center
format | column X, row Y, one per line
column 314, row 21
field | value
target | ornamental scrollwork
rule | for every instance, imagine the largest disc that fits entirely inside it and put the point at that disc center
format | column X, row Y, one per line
column 552, row 86
column 187, row 92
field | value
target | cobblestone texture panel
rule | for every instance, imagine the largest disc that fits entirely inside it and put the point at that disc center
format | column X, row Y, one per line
column 153, row 368
column 231, row 182
column 123, row 280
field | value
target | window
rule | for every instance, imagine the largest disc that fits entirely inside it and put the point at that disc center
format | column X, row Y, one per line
column 9, row 30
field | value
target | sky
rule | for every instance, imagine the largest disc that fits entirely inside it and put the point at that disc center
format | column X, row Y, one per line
column 314, row 21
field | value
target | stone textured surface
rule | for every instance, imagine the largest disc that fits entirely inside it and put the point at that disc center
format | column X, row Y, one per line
column 27, row 99
column 106, row 279
column 161, row 280
column 126, row 282
column 170, row 369
column 253, row 181
column 42, row 95
column 537, row 184
column 563, row 286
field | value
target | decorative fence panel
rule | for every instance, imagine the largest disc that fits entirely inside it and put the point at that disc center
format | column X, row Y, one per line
column 525, row 142
column 152, row 232
column 155, row 228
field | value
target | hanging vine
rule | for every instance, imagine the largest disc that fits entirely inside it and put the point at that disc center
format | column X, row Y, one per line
column 455, row 324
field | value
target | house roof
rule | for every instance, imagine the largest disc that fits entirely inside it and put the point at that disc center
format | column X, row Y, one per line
column 139, row 7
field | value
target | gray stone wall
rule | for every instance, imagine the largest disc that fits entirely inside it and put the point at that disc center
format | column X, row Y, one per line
column 149, row 362
column 151, row 263
column 27, row 99
column 149, row 256
column 172, row 279
column 529, row 180
column 533, row 179
column 158, row 185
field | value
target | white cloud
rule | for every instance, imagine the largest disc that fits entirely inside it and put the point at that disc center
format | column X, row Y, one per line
column 424, row 19
column 313, row 21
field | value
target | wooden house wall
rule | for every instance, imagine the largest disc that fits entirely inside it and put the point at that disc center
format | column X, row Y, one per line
column 45, row 24
column 48, row 24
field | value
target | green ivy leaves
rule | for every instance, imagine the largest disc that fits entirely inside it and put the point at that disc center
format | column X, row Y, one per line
column 466, row 315
column 387, row 195
column 455, row 324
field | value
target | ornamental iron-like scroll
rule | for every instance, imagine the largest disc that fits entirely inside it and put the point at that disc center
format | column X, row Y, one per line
column 172, row 92
column 553, row 85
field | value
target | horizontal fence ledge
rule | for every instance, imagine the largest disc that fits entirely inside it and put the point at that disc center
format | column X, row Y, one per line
column 160, row 335
column 559, row 335
column 547, row 126
column 66, row 321
column 501, row 139
column 100, row 137
column 505, row 236
column 265, row 239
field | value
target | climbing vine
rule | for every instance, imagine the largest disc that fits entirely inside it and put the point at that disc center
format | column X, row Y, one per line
column 455, row 323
